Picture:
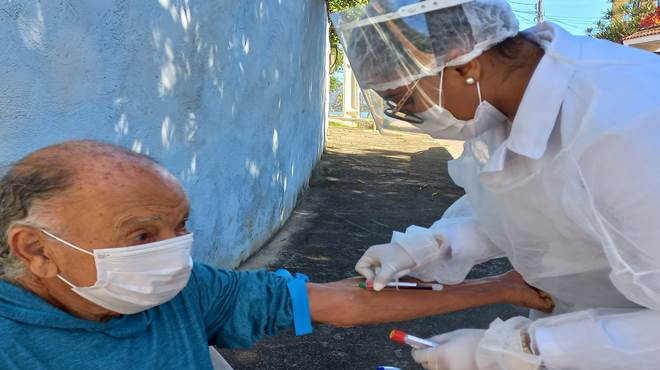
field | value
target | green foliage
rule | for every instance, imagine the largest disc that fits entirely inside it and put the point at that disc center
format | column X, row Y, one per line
column 335, row 84
column 337, row 5
column 622, row 21
column 337, row 124
column 337, row 56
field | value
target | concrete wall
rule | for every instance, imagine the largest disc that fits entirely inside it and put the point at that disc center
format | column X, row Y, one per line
column 229, row 95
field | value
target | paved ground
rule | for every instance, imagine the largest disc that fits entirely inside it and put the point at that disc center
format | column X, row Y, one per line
column 366, row 185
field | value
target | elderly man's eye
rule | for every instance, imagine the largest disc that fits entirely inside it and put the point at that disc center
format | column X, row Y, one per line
column 182, row 228
column 142, row 237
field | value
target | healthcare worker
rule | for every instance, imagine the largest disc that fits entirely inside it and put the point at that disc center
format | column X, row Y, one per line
column 560, row 169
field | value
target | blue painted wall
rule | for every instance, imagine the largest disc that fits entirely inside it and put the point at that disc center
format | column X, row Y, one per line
column 229, row 95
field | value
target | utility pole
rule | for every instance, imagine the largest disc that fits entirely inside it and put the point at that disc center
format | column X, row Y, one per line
column 539, row 11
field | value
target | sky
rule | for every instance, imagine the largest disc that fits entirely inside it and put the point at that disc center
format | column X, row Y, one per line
column 573, row 15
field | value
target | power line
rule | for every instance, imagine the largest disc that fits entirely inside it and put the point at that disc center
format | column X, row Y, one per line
column 574, row 17
column 580, row 27
column 528, row 20
column 531, row 12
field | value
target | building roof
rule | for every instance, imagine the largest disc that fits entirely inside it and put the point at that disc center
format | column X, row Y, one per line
column 649, row 26
column 651, row 31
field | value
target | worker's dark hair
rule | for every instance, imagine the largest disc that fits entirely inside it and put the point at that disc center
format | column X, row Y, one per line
column 512, row 51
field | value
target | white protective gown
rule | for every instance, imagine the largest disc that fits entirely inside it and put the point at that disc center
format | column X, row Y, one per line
column 572, row 198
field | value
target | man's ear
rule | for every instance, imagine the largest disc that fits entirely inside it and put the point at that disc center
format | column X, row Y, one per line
column 27, row 243
column 470, row 69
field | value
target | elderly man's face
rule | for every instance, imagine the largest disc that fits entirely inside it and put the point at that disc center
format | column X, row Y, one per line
column 116, row 210
column 112, row 204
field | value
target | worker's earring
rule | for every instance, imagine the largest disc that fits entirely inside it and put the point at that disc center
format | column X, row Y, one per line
column 470, row 80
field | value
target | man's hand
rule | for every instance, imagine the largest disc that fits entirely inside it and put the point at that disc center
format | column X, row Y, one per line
column 519, row 293
column 457, row 351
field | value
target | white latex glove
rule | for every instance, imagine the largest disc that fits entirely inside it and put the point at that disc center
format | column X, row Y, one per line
column 457, row 351
column 384, row 263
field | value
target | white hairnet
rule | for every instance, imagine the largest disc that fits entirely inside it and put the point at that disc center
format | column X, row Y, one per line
column 391, row 43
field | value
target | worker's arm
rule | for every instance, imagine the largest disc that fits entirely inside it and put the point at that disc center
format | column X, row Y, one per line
column 622, row 180
column 599, row 339
column 444, row 252
column 617, row 202
column 462, row 245
column 342, row 303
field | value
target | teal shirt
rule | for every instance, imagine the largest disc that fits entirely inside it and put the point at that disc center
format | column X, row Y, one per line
column 226, row 308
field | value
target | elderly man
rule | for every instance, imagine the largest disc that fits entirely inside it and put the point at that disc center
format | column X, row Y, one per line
column 97, row 273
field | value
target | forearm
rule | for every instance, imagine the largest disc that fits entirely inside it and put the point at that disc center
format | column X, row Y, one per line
column 344, row 304
column 392, row 305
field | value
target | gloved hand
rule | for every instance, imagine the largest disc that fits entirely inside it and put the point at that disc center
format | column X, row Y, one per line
column 384, row 263
column 457, row 351
column 445, row 253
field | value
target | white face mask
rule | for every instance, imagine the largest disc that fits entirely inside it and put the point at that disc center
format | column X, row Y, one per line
column 441, row 123
column 134, row 279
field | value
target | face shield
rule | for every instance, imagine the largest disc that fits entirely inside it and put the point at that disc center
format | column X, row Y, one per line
column 393, row 45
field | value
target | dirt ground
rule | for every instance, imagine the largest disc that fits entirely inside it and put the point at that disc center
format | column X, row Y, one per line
column 366, row 186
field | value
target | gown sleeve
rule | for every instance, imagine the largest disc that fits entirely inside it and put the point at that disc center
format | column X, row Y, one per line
column 447, row 251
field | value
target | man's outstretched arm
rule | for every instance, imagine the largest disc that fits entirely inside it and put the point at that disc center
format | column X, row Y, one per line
column 344, row 304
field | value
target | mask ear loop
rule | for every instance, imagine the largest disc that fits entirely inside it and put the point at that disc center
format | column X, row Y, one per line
column 66, row 242
column 479, row 92
column 440, row 97
column 68, row 245
column 66, row 281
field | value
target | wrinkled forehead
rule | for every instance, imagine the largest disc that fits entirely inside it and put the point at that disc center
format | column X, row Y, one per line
column 116, row 166
column 105, row 193
column 130, row 179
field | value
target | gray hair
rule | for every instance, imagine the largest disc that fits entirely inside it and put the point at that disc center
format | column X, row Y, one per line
column 27, row 182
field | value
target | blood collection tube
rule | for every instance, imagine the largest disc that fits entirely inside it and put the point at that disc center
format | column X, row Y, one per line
column 404, row 285
column 399, row 336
